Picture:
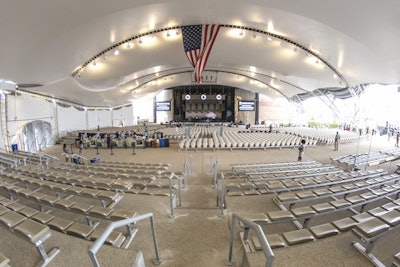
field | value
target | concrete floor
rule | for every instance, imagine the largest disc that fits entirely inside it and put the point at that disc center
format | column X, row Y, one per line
column 199, row 235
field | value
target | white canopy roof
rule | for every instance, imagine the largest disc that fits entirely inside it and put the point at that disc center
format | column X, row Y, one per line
column 65, row 49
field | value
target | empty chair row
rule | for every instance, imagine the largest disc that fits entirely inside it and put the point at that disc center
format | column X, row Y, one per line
column 292, row 198
column 368, row 232
column 290, row 164
column 389, row 212
column 110, row 213
column 102, row 195
column 17, row 213
column 305, row 213
column 234, row 186
column 118, row 185
column 64, row 183
column 30, row 230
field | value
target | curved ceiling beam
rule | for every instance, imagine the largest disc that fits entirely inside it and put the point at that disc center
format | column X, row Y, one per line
column 102, row 54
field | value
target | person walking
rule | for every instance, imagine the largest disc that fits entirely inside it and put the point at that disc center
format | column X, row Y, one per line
column 302, row 147
column 337, row 140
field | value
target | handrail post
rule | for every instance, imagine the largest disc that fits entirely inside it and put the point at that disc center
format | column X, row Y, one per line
column 222, row 195
column 172, row 215
column 116, row 224
column 179, row 192
column 266, row 248
column 230, row 260
column 157, row 259
column 191, row 164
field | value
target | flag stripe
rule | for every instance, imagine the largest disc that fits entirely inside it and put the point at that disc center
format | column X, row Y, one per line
column 198, row 41
column 209, row 39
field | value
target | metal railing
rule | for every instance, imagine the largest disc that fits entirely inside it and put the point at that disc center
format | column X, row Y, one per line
column 266, row 248
column 126, row 222
column 187, row 170
column 47, row 159
column 220, row 199
column 171, row 194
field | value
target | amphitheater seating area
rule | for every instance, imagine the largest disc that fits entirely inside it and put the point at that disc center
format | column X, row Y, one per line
column 307, row 191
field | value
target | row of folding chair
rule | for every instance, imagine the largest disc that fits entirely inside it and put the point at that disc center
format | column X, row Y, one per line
column 388, row 212
column 27, row 229
column 289, row 199
column 294, row 183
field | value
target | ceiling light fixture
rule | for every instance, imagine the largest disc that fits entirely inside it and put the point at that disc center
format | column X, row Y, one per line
column 116, row 52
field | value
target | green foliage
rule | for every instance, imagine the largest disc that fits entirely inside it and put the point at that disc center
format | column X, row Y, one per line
column 322, row 124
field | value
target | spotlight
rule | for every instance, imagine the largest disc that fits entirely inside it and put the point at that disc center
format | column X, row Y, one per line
column 269, row 38
column 116, row 52
column 168, row 34
column 218, row 97
column 187, row 97
column 203, row 97
column 140, row 41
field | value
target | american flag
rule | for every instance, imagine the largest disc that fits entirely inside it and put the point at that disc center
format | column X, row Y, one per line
column 197, row 42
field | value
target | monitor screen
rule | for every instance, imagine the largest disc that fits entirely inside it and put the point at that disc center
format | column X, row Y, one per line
column 246, row 105
column 163, row 106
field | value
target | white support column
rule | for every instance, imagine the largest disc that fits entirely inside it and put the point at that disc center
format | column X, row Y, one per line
column 112, row 118
column 56, row 135
column 87, row 118
column 3, row 120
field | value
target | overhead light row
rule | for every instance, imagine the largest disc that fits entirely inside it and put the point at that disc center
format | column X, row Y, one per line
column 284, row 42
column 127, row 44
column 175, row 31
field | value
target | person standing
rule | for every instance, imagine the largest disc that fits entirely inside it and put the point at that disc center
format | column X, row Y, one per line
column 108, row 140
column 302, row 147
column 337, row 140
column 65, row 150
column 80, row 147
